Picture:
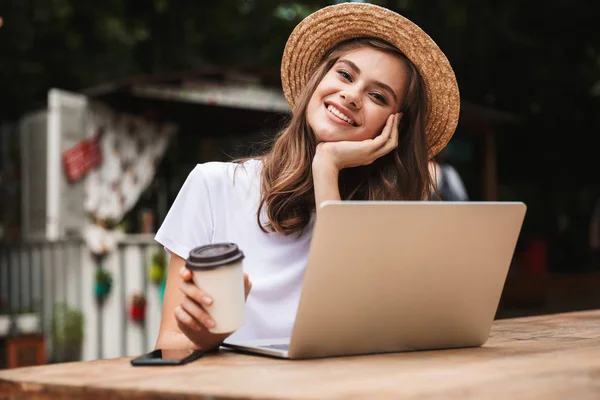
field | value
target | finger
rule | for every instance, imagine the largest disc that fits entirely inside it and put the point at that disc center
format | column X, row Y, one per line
column 393, row 136
column 396, row 130
column 195, row 293
column 392, row 141
column 374, row 145
column 198, row 313
column 185, row 274
column 185, row 319
column 385, row 133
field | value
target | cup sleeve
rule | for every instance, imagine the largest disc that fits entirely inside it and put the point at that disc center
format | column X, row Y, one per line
column 189, row 222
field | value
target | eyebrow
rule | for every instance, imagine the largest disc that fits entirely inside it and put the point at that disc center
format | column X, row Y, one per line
column 377, row 83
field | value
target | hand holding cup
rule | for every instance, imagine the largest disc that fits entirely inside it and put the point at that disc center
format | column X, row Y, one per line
column 215, row 290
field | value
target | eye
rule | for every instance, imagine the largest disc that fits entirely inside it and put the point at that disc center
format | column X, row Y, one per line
column 345, row 74
column 379, row 97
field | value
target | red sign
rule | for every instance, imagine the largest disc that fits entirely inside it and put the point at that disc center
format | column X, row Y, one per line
column 81, row 158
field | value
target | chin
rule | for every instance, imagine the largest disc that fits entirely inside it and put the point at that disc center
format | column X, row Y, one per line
column 327, row 137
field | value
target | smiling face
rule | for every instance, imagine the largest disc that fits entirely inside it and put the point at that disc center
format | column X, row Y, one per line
column 355, row 97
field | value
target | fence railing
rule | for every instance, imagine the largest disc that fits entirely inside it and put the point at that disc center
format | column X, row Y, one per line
column 36, row 277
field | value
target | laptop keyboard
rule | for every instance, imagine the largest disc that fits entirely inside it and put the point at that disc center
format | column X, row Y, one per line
column 277, row 346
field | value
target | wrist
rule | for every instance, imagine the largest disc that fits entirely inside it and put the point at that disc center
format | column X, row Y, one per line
column 324, row 168
column 324, row 162
column 204, row 340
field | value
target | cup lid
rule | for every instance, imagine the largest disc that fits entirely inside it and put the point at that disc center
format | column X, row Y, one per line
column 213, row 256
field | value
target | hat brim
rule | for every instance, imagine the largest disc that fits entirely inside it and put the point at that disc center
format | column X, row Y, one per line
column 319, row 32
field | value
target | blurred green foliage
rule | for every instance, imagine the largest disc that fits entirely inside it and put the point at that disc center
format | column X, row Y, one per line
column 77, row 44
column 67, row 325
column 539, row 61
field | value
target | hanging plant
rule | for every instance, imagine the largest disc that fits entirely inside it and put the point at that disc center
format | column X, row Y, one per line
column 103, row 284
column 161, row 290
column 158, row 267
column 137, row 309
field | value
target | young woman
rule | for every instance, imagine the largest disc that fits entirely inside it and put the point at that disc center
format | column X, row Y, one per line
column 373, row 99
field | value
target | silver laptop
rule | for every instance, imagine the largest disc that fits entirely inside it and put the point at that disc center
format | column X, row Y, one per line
column 400, row 276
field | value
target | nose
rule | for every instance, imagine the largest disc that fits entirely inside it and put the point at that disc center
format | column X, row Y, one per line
column 351, row 98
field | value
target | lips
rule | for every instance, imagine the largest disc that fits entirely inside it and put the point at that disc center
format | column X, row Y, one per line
column 335, row 111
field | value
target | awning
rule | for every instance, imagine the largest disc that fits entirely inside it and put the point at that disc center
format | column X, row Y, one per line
column 226, row 94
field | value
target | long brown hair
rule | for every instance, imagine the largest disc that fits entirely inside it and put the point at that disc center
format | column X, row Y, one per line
column 287, row 190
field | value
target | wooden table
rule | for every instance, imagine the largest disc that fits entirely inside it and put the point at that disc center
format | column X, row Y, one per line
column 544, row 357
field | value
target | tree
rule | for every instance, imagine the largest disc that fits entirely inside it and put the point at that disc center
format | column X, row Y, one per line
column 539, row 63
column 74, row 44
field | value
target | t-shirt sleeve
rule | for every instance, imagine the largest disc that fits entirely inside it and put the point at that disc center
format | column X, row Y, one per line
column 189, row 222
column 454, row 181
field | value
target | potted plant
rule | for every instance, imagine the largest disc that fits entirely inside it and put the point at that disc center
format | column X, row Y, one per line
column 28, row 321
column 4, row 324
column 67, row 330
column 4, row 318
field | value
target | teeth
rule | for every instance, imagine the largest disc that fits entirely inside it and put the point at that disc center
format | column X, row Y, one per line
column 340, row 115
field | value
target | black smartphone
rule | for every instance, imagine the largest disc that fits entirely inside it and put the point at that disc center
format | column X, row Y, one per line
column 167, row 357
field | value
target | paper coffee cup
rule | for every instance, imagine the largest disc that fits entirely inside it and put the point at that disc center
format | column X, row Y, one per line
column 217, row 269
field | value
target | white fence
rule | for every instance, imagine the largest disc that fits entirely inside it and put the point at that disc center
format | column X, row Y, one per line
column 34, row 277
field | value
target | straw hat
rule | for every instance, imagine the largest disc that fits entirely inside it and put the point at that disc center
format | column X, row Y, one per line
column 327, row 27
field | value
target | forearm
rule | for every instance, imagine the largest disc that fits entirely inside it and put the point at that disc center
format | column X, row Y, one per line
column 325, row 181
column 174, row 340
column 172, row 334
column 178, row 340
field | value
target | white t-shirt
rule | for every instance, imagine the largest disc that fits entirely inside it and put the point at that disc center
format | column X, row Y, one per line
column 214, row 206
column 453, row 182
